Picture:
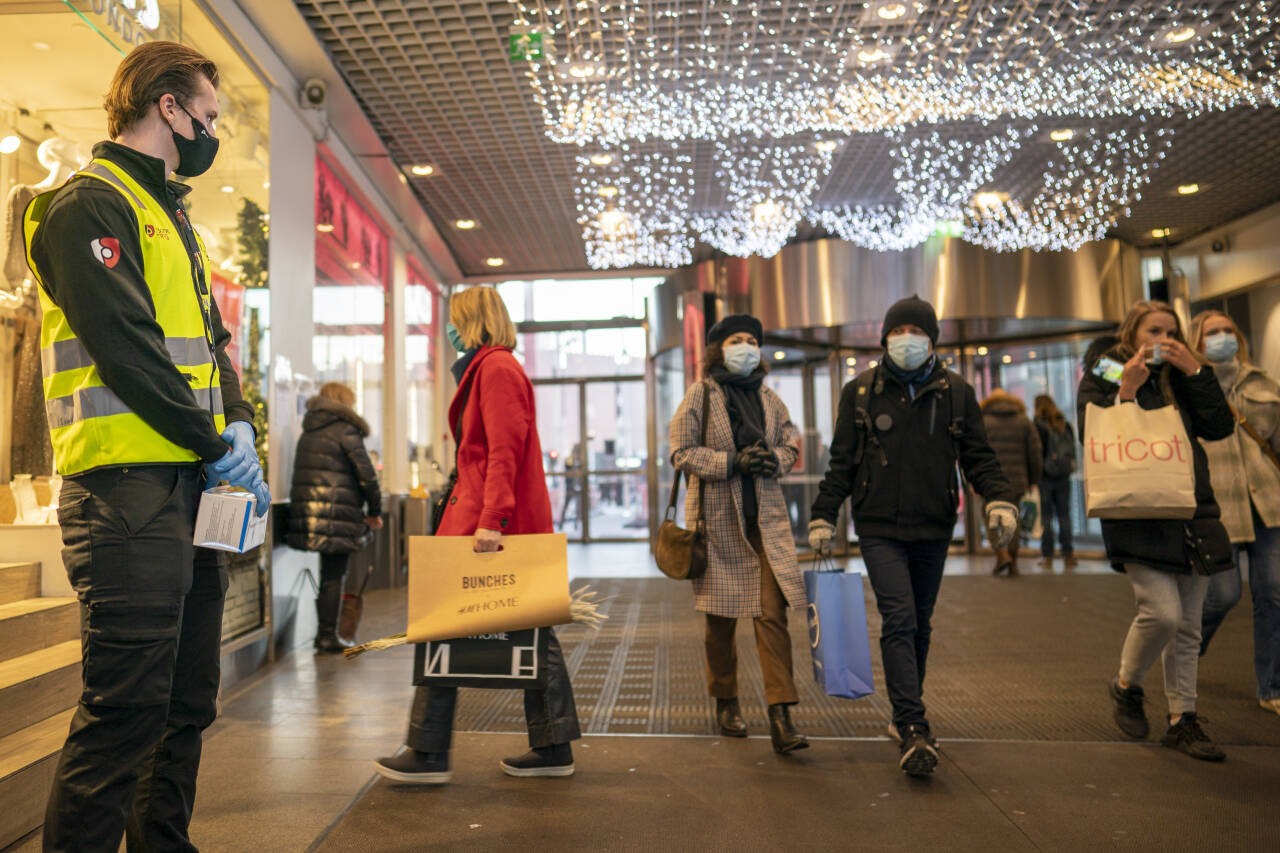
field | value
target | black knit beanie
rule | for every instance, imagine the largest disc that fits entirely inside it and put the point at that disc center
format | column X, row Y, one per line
column 733, row 324
column 912, row 311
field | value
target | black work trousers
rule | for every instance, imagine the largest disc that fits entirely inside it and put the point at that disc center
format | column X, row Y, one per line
column 549, row 710
column 150, row 630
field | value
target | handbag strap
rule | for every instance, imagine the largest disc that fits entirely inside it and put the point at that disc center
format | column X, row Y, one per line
column 1253, row 433
column 702, row 440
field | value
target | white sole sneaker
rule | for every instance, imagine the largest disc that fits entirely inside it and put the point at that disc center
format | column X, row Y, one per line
column 534, row 772
column 893, row 733
column 403, row 778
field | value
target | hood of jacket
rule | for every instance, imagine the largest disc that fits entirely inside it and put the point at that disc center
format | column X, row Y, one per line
column 321, row 411
column 1003, row 404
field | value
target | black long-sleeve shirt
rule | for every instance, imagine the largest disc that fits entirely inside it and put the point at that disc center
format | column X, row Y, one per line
column 111, row 310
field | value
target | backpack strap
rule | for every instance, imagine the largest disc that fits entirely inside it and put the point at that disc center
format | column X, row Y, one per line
column 957, row 426
column 864, row 386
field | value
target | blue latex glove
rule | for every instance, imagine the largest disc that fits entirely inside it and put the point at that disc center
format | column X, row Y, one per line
column 240, row 467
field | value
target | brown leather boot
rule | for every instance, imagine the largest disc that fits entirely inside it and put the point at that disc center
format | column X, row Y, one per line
column 784, row 735
column 729, row 718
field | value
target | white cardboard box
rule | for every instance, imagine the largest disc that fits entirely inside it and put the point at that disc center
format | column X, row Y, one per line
column 226, row 521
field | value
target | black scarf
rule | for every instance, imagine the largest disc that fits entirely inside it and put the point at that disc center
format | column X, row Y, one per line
column 746, row 418
column 459, row 366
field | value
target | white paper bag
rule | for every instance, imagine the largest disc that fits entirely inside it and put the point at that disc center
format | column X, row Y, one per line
column 1137, row 463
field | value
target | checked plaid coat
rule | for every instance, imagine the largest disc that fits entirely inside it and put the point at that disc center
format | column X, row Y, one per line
column 731, row 586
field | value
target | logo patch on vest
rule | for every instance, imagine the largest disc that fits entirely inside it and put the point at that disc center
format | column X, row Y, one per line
column 107, row 250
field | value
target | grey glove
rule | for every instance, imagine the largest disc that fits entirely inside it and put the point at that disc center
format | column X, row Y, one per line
column 821, row 533
column 1002, row 523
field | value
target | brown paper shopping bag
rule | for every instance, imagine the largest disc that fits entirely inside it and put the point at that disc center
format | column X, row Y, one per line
column 1137, row 463
column 455, row 592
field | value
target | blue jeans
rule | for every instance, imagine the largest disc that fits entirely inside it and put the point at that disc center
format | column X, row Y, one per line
column 1264, row 581
column 1055, row 501
column 905, row 577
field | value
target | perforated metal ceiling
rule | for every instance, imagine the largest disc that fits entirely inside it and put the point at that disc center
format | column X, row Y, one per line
column 436, row 82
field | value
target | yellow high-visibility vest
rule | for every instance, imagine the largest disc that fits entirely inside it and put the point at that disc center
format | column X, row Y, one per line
column 90, row 426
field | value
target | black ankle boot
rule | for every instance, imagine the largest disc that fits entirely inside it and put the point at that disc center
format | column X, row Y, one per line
column 328, row 603
column 729, row 718
column 785, row 737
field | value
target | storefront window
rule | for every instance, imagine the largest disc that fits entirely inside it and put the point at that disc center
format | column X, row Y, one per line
column 352, row 255
column 422, row 331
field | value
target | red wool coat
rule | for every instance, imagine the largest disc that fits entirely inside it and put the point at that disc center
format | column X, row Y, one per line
column 501, row 484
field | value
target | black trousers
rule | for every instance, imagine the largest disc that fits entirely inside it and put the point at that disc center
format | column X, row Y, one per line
column 150, row 631
column 549, row 711
column 1055, row 502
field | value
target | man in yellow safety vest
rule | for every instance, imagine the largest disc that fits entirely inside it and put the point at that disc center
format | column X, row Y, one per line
column 144, row 411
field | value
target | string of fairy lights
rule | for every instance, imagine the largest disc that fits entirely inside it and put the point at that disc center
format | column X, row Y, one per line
column 776, row 87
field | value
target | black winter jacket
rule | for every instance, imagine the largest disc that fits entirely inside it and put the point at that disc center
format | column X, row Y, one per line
column 1015, row 440
column 1194, row 546
column 905, row 486
column 334, row 483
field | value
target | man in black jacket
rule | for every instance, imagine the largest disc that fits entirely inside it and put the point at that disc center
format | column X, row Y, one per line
column 900, row 429
column 144, row 407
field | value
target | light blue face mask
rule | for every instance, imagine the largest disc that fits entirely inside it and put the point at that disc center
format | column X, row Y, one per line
column 451, row 332
column 741, row 358
column 909, row 350
column 1221, row 347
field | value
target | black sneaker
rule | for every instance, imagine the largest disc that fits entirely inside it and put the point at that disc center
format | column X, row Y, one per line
column 542, row 761
column 415, row 768
column 919, row 752
column 1187, row 736
column 1129, row 715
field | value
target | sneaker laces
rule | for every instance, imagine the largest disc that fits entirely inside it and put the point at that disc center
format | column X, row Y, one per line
column 1191, row 725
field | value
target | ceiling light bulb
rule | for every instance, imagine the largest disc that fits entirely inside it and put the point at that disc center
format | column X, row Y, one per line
column 873, row 363
column 423, row 170
column 851, row 361
column 601, row 159
column 607, row 192
column 1160, row 232
column 1031, row 354
column 465, row 224
column 1188, row 189
column 613, row 219
column 779, row 355
column 873, row 55
column 494, row 262
column 582, row 70
column 990, row 199
column 227, row 188
column 1180, row 35
column 1062, row 135
column 826, row 146
column 10, row 144
column 982, row 350
column 765, row 211
column 892, row 11
column 1007, row 359
column 355, row 265
column 40, row 45
column 324, row 227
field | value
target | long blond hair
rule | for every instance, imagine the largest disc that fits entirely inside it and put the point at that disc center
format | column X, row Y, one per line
column 481, row 318
column 1197, row 333
column 1128, row 336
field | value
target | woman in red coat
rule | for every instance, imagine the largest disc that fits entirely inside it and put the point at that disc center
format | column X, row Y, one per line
column 500, row 489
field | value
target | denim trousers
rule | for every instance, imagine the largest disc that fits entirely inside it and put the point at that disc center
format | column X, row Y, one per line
column 1055, row 503
column 905, row 577
column 1264, row 582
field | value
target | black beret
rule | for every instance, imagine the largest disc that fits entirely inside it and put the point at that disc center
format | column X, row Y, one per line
column 733, row 324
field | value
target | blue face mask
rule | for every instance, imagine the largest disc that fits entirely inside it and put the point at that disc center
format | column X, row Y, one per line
column 908, row 350
column 741, row 358
column 1221, row 347
column 451, row 332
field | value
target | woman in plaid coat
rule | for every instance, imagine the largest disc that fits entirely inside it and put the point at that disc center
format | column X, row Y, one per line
column 751, row 557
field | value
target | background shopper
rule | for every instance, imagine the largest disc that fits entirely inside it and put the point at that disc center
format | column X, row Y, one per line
column 1059, row 442
column 752, row 569
column 1246, row 483
column 1168, row 561
column 335, row 500
column 501, row 489
column 900, row 430
column 1016, row 442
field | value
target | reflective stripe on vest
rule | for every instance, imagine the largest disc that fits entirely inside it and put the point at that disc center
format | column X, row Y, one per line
column 71, row 354
column 101, row 402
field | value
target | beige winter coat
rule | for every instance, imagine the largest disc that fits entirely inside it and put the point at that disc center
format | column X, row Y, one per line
column 731, row 586
column 1241, row 473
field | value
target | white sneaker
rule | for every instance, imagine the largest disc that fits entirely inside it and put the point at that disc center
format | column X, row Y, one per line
column 893, row 733
column 1270, row 704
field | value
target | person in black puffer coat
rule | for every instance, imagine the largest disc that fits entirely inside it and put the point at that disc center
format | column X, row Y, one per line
column 1016, row 442
column 335, row 499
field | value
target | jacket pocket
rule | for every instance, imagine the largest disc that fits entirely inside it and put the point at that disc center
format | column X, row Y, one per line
column 1262, row 409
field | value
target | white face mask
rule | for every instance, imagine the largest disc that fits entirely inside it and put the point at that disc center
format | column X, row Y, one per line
column 909, row 350
column 741, row 358
column 1221, row 347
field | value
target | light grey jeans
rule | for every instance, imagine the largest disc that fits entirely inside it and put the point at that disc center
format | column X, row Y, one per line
column 1167, row 626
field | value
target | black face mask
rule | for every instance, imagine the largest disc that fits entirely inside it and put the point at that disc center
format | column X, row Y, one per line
column 195, row 156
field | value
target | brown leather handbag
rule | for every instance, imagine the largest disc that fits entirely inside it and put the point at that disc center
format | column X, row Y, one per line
column 682, row 554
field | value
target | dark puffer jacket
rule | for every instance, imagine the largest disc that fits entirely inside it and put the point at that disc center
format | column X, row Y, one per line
column 1014, row 438
column 334, row 483
column 1198, row 545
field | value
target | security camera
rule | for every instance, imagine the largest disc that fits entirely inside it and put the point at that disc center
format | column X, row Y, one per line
column 314, row 93
column 1220, row 245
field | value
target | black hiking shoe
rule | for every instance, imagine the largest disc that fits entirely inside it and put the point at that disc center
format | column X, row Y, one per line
column 919, row 752
column 1187, row 736
column 1129, row 715
column 554, row 760
column 415, row 768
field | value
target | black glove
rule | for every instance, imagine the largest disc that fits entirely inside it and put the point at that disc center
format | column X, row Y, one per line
column 766, row 461
column 744, row 460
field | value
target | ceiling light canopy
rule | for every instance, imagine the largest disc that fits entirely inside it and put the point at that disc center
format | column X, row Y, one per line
column 494, row 262
column 423, row 170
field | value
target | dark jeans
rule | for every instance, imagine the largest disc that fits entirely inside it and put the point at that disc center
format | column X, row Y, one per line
column 1264, row 582
column 905, row 577
column 1055, row 502
column 150, row 631
column 549, row 711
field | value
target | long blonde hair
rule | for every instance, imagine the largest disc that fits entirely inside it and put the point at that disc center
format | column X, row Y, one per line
column 1128, row 336
column 1197, row 333
column 481, row 318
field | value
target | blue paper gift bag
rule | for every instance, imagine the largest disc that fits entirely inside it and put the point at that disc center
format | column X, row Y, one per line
column 838, row 634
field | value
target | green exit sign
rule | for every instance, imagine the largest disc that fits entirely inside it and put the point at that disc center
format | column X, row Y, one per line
column 525, row 47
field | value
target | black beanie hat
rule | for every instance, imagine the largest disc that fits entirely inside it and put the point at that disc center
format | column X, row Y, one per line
column 912, row 311
column 733, row 324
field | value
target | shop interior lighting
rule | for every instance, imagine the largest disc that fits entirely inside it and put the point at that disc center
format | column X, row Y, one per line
column 423, row 170
column 873, row 364
column 1188, row 189
column 1006, row 359
column 494, row 262
column 465, row 224
column 982, row 350
column 779, row 355
column 227, row 188
column 325, row 227
column 851, row 361
column 10, row 144
column 1031, row 354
